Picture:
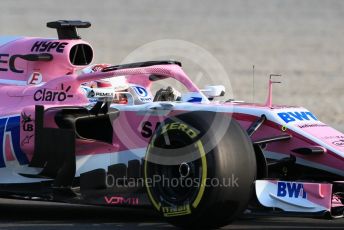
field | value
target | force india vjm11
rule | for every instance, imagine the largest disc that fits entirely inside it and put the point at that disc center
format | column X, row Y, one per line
column 67, row 128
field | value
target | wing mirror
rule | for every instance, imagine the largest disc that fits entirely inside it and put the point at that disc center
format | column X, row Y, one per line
column 212, row 91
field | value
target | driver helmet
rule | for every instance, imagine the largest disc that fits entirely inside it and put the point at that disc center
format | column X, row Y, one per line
column 118, row 84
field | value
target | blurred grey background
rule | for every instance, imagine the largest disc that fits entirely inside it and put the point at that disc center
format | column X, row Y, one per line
column 301, row 39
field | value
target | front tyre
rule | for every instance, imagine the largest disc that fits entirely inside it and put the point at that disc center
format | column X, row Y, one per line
column 199, row 170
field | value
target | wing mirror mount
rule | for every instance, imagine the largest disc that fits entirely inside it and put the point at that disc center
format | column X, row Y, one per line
column 212, row 91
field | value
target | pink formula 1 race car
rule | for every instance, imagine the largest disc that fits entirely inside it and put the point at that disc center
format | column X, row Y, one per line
column 95, row 134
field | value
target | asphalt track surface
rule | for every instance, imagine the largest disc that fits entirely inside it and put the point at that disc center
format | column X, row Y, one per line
column 301, row 39
column 46, row 215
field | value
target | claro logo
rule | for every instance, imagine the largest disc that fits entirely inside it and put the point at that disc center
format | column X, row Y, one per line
column 119, row 200
column 52, row 95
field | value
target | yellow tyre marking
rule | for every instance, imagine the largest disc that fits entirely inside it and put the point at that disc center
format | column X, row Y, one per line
column 204, row 174
column 199, row 196
column 155, row 204
column 179, row 211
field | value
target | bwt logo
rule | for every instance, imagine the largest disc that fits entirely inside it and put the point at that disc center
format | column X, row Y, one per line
column 291, row 189
column 119, row 200
column 297, row 116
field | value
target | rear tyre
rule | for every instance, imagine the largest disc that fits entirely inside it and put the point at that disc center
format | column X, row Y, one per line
column 199, row 170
